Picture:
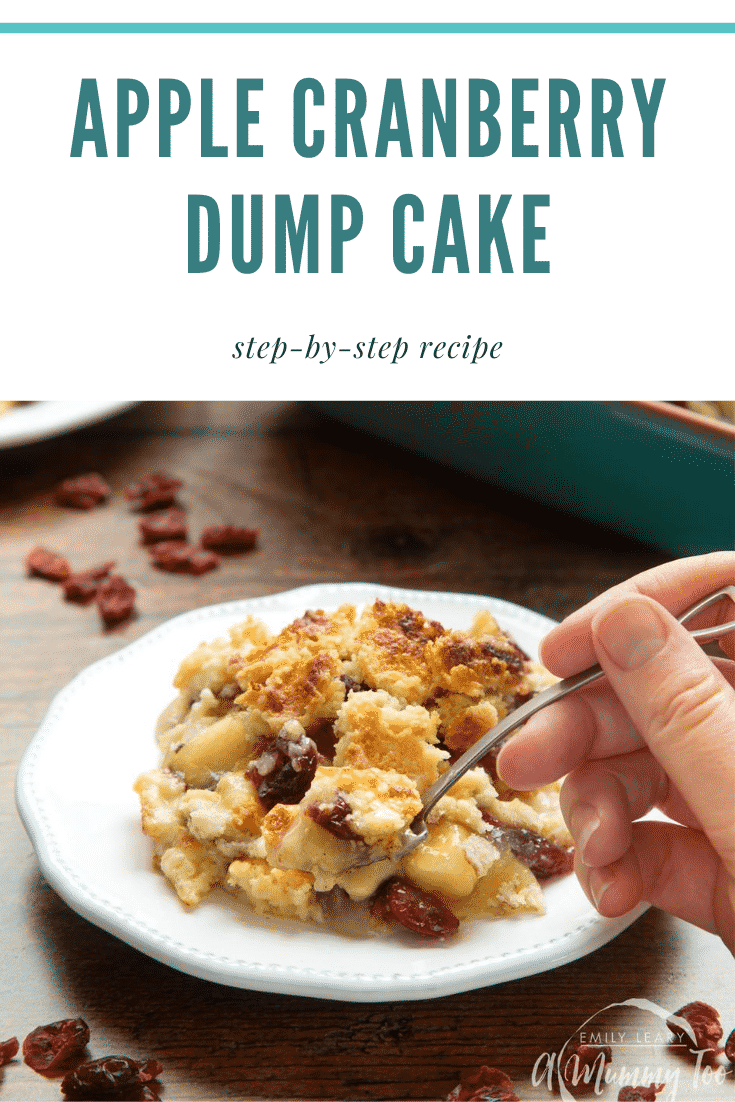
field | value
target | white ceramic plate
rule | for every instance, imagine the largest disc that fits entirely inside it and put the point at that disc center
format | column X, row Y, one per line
column 44, row 420
column 74, row 793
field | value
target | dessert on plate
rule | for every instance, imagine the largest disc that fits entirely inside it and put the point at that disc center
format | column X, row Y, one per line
column 293, row 763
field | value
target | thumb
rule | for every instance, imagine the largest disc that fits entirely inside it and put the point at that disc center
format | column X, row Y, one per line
column 681, row 705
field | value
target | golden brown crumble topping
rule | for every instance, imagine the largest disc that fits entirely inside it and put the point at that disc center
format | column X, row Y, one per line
column 293, row 762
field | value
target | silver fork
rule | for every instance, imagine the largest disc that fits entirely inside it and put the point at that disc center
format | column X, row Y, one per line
column 417, row 832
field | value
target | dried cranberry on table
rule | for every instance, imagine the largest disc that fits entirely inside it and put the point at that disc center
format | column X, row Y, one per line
column 115, row 600
column 182, row 558
column 48, row 1047
column 418, row 910
column 154, row 491
column 86, row 491
column 485, row 1085
column 82, row 587
column 42, row 563
column 112, row 1077
column 227, row 538
column 283, row 773
column 166, row 524
column 200, row 560
column 705, row 1023
column 640, row 1094
column 8, row 1050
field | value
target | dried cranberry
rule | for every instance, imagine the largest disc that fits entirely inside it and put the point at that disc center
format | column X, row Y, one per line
column 284, row 771
column 200, row 560
column 705, row 1022
column 47, row 1047
column 80, row 588
column 730, row 1047
column 640, row 1094
column 47, row 564
column 149, row 1069
column 412, row 623
column 353, row 686
column 167, row 524
column 542, row 856
column 8, row 1049
column 170, row 555
column 333, row 817
column 485, row 1085
column 435, row 697
column 111, row 1077
column 83, row 492
column 417, row 910
column 83, row 587
column 182, row 558
column 115, row 600
column 154, row 491
column 227, row 537
column 583, row 1064
column 324, row 738
column 379, row 908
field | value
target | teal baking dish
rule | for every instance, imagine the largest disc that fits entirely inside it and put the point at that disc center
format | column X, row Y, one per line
column 652, row 470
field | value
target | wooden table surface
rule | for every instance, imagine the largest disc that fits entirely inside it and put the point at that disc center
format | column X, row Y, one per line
column 331, row 505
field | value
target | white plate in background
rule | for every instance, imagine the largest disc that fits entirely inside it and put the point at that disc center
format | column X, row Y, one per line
column 74, row 793
column 43, row 420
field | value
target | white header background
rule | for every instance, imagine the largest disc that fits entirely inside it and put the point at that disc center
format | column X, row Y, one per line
column 638, row 302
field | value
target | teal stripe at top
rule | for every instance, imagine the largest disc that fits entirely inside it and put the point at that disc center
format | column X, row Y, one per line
column 367, row 28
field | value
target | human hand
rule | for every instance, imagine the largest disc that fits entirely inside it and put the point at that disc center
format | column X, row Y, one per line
column 659, row 731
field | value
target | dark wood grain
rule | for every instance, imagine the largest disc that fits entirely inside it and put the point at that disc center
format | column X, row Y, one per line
column 331, row 505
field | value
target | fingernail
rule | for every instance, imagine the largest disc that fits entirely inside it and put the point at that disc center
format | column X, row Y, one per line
column 630, row 633
column 599, row 881
column 583, row 822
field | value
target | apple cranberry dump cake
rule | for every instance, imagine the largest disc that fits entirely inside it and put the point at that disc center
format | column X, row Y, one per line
column 291, row 761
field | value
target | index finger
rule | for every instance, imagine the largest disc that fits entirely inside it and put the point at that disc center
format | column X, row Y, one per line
column 680, row 703
column 676, row 585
